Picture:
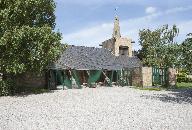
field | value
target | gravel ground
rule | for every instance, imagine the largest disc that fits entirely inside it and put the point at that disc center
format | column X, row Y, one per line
column 98, row 108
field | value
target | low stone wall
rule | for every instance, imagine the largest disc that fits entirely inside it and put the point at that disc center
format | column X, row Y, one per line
column 142, row 77
column 137, row 77
column 172, row 77
column 31, row 80
column 147, row 76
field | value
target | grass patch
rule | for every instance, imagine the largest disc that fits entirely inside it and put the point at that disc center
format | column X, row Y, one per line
column 183, row 85
column 150, row 89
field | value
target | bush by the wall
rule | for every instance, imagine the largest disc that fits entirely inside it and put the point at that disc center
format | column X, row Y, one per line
column 6, row 87
column 182, row 77
column 189, row 80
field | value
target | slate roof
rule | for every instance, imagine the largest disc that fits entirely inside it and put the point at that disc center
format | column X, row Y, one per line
column 91, row 58
column 128, row 62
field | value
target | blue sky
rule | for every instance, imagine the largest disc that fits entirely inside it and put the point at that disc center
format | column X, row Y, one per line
column 89, row 22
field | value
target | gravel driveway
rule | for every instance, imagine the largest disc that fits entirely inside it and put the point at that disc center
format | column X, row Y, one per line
column 98, row 108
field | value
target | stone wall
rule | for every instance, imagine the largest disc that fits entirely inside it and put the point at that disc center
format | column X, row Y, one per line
column 114, row 45
column 147, row 76
column 137, row 77
column 31, row 80
column 172, row 76
column 123, row 41
column 109, row 44
column 142, row 77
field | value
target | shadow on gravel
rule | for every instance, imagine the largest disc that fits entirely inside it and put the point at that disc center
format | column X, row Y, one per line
column 25, row 94
column 174, row 96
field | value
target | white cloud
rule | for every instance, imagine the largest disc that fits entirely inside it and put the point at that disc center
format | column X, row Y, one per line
column 178, row 9
column 90, row 36
column 150, row 10
column 93, row 36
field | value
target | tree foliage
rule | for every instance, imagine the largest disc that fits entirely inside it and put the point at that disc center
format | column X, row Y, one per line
column 159, row 47
column 27, row 39
column 186, row 57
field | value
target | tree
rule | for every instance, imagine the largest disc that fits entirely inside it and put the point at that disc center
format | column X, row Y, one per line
column 187, row 53
column 159, row 47
column 27, row 39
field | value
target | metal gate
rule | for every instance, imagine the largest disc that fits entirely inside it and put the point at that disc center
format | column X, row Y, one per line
column 159, row 76
column 124, row 77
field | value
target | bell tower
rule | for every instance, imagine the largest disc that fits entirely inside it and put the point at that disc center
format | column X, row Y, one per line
column 118, row 45
column 116, row 29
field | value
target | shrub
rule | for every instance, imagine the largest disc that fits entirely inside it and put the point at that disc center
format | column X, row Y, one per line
column 189, row 80
column 6, row 87
column 182, row 77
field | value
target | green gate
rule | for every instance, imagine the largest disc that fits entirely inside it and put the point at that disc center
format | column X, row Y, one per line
column 124, row 77
column 159, row 76
column 94, row 76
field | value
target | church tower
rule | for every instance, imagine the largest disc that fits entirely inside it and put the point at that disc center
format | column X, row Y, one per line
column 116, row 29
column 118, row 45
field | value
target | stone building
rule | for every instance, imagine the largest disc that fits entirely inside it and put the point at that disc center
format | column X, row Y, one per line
column 91, row 65
column 118, row 45
column 113, row 63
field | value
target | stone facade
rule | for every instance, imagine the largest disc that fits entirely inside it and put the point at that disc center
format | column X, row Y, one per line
column 123, row 42
column 116, row 30
column 147, row 76
column 118, row 45
column 109, row 44
column 172, row 76
column 137, row 77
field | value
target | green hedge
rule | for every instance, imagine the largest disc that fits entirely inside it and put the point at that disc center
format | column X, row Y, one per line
column 182, row 77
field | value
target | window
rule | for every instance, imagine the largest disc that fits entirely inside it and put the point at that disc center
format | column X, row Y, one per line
column 123, row 50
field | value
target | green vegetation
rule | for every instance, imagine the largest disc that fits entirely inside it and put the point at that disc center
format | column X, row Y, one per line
column 150, row 89
column 183, row 85
column 182, row 76
column 28, row 41
column 186, row 53
column 5, row 87
column 159, row 47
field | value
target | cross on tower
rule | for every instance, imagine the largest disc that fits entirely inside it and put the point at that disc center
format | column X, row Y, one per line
column 116, row 9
